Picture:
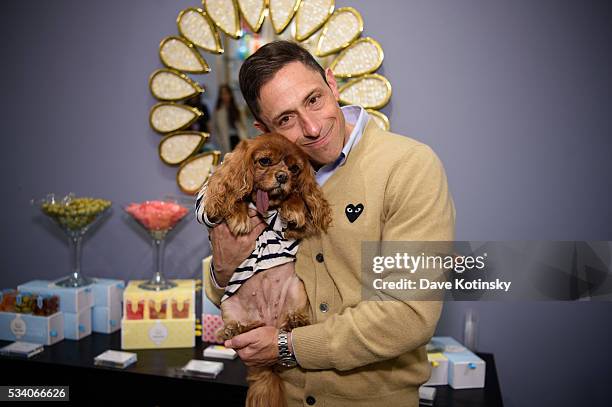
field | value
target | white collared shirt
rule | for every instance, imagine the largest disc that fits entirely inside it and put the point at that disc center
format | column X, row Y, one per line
column 358, row 117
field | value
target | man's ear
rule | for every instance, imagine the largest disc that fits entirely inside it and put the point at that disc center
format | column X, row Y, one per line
column 260, row 126
column 331, row 81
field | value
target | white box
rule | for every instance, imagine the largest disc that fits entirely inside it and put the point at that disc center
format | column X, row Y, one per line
column 72, row 299
column 106, row 319
column 439, row 370
column 77, row 325
column 32, row 328
column 465, row 370
column 107, row 291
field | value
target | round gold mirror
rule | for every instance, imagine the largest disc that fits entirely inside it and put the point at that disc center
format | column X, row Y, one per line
column 227, row 32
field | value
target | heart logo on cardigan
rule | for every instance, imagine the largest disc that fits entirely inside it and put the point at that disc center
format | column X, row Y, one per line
column 353, row 211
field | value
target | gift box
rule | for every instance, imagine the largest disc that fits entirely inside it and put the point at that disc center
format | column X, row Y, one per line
column 46, row 330
column 439, row 369
column 158, row 319
column 107, row 301
column 211, row 324
column 106, row 320
column 107, row 292
column 77, row 325
column 72, row 299
column 465, row 369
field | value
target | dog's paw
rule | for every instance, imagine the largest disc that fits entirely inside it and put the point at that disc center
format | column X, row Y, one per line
column 295, row 219
column 296, row 320
column 240, row 224
column 228, row 331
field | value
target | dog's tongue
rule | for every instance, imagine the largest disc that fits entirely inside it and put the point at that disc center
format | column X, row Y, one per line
column 262, row 202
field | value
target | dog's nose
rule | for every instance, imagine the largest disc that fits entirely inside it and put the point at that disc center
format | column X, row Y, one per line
column 281, row 177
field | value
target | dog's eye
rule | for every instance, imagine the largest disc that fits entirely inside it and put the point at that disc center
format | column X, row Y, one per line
column 265, row 161
column 294, row 169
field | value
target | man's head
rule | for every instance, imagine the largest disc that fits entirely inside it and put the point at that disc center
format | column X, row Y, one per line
column 289, row 93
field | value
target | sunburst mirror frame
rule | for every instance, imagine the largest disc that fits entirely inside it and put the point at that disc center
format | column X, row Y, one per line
column 330, row 35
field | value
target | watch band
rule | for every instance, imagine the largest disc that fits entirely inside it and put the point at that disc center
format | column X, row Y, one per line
column 285, row 356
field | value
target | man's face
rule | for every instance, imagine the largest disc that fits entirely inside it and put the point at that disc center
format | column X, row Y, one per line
column 298, row 104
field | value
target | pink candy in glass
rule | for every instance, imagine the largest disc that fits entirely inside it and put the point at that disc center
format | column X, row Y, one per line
column 157, row 215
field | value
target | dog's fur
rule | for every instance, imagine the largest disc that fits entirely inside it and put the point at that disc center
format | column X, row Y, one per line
column 275, row 296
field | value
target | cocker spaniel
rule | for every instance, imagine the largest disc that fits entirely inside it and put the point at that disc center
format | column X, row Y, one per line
column 273, row 176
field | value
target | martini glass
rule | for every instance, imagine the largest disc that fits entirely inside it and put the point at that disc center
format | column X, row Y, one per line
column 158, row 218
column 75, row 216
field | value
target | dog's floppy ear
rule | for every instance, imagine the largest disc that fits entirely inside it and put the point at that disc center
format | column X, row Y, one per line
column 230, row 183
column 319, row 213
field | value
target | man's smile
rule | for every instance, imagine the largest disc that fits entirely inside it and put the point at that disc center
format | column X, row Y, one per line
column 321, row 140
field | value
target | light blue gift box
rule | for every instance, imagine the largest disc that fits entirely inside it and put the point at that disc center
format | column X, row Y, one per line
column 465, row 369
column 107, row 292
column 72, row 299
column 77, row 325
column 32, row 328
column 106, row 319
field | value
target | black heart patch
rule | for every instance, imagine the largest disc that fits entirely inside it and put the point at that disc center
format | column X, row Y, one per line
column 353, row 211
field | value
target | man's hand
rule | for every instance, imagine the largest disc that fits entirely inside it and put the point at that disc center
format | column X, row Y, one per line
column 258, row 347
column 229, row 251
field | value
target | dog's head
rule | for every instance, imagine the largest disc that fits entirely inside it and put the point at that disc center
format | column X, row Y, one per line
column 279, row 169
column 268, row 170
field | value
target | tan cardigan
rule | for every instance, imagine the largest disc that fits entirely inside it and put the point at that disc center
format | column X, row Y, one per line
column 361, row 353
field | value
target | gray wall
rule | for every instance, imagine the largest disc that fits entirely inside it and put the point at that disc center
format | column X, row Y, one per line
column 513, row 95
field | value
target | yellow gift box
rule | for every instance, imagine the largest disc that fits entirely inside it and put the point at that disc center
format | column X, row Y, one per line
column 158, row 319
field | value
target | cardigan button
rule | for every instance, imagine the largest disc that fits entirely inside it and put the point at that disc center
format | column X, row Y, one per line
column 323, row 307
column 320, row 257
column 310, row 400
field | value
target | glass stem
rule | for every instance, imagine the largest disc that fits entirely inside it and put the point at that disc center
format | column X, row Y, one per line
column 158, row 259
column 75, row 248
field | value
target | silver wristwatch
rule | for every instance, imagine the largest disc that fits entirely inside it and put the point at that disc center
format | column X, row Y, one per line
column 285, row 356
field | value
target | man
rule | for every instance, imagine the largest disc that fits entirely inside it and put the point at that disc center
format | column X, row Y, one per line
column 382, row 187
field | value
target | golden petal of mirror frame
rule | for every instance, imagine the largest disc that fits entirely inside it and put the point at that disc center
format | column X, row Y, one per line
column 204, row 68
column 216, row 155
column 197, row 89
column 218, row 48
column 259, row 14
column 329, row 25
column 384, row 83
column 296, row 11
column 347, row 52
column 380, row 118
column 275, row 7
column 326, row 9
column 159, row 106
column 234, row 15
column 203, row 138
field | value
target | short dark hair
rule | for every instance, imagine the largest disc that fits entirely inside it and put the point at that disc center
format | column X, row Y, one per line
column 260, row 67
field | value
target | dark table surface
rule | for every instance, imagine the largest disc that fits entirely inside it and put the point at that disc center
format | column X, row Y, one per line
column 155, row 379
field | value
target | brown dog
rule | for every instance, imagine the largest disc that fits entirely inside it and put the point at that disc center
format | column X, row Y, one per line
column 273, row 174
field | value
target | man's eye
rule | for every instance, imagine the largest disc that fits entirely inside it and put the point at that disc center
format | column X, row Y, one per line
column 314, row 100
column 294, row 169
column 284, row 120
column 265, row 161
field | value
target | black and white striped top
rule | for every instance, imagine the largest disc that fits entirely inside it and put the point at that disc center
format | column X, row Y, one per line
column 271, row 247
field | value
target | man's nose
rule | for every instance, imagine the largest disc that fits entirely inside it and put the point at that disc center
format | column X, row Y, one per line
column 281, row 177
column 310, row 126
